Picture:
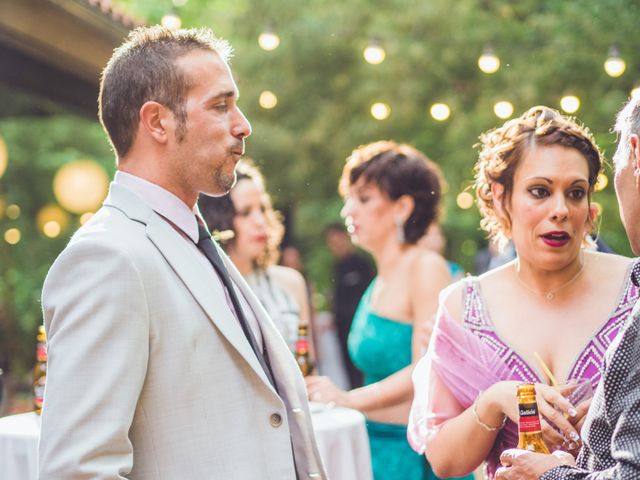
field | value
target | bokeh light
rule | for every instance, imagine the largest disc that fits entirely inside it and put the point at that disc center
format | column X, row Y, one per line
column 380, row 111
column 12, row 236
column 503, row 109
column 13, row 211
column 52, row 220
column 464, row 200
column 268, row 100
column 601, row 182
column 440, row 111
column 488, row 62
column 80, row 186
column 268, row 40
column 570, row 103
column 374, row 53
column 614, row 65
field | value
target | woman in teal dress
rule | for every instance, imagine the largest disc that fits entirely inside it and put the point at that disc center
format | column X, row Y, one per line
column 392, row 194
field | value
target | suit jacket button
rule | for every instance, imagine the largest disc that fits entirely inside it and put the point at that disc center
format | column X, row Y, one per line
column 275, row 419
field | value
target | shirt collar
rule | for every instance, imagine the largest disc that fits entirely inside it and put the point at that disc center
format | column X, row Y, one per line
column 163, row 202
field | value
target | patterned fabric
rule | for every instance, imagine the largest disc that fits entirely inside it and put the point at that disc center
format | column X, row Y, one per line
column 281, row 307
column 380, row 347
column 589, row 362
column 611, row 448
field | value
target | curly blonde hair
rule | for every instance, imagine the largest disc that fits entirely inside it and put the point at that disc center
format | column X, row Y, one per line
column 219, row 212
column 502, row 150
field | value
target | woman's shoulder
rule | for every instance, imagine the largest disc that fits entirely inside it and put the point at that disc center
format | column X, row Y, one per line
column 424, row 263
column 611, row 264
column 287, row 277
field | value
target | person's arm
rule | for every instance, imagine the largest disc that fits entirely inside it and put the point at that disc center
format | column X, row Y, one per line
column 97, row 326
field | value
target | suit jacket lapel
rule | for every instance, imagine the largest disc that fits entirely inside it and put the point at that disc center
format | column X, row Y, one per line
column 193, row 273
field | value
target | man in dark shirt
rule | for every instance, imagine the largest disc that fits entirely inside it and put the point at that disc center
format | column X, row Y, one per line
column 352, row 274
column 611, row 431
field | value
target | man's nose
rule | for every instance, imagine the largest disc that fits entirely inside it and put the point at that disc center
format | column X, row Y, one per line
column 241, row 127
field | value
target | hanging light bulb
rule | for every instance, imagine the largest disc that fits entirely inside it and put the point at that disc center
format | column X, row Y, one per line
column 269, row 40
column 380, row 111
column 374, row 53
column 268, row 100
column 171, row 20
column 503, row 109
column 614, row 65
column 440, row 111
column 488, row 62
column 570, row 103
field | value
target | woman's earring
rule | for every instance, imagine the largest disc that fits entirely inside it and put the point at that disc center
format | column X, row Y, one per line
column 399, row 230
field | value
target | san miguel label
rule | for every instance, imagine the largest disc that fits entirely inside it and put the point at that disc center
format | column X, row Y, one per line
column 529, row 418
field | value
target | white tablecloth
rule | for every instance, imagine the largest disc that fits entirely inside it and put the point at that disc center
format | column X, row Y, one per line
column 341, row 434
column 343, row 442
column 19, row 446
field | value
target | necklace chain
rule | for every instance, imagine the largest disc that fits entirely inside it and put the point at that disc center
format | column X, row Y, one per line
column 551, row 294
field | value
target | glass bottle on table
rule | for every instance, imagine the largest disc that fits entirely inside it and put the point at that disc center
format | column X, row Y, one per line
column 529, row 427
column 40, row 370
column 303, row 357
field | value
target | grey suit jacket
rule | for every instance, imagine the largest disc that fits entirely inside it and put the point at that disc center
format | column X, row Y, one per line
column 150, row 375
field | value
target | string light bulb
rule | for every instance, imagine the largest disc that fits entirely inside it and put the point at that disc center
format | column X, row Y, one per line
column 380, row 111
column 374, row 53
column 614, row 65
column 570, row 103
column 440, row 111
column 503, row 109
column 269, row 40
column 171, row 20
column 488, row 62
column 634, row 93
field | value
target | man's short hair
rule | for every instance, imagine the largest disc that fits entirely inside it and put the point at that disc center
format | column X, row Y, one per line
column 627, row 124
column 144, row 69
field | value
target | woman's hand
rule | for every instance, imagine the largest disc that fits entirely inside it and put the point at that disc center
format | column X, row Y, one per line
column 322, row 390
column 555, row 409
column 552, row 407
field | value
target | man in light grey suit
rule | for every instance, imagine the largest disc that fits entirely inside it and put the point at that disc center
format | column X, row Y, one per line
column 160, row 365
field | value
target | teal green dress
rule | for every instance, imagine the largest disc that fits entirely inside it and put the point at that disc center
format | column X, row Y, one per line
column 379, row 347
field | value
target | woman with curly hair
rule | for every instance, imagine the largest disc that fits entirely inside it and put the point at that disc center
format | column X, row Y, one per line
column 546, row 318
column 250, row 231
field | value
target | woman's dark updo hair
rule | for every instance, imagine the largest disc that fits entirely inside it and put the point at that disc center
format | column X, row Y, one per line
column 219, row 212
column 397, row 170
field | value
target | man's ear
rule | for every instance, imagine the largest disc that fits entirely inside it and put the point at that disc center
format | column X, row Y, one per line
column 156, row 120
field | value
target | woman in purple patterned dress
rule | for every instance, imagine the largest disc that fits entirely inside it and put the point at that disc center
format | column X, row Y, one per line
column 558, row 303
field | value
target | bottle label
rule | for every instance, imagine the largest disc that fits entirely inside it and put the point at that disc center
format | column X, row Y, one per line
column 529, row 418
column 302, row 344
column 41, row 352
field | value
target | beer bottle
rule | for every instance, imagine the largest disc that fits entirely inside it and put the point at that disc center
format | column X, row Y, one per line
column 302, row 350
column 40, row 370
column 530, row 431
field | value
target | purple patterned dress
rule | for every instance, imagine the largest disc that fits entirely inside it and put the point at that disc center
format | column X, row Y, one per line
column 466, row 359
